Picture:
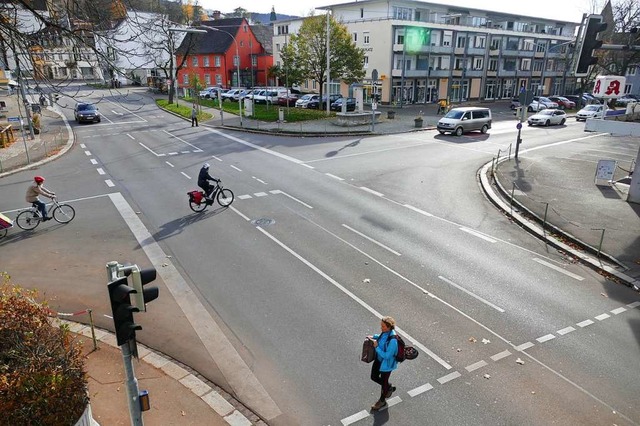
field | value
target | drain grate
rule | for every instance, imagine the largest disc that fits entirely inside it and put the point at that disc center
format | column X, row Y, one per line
column 263, row 221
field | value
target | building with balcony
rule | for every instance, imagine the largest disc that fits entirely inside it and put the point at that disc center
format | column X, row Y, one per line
column 427, row 51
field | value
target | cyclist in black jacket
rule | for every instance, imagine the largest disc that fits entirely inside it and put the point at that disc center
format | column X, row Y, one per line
column 204, row 178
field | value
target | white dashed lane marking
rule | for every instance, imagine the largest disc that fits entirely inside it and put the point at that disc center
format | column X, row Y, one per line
column 333, row 176
column 94, row 161
column 475, row 366
column 186, row 175
column 100, row 171
column 449, row 377
column 602, row 317
column 244, row 197
column 371, row 191
column 354, row 418
column 584, row 323
column 87, row 153
column 234, row 167
column 420, row 389
column 524, row 346
column 633, row 305
column 109, row 183
column 618, row 311
column 546, row 338
column 500, row 355
column 565, row 330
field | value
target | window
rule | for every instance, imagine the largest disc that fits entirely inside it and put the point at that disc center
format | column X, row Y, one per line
column 631, row 70
column 365, row 38
column 493, row 64
column 277, row 47
column 527, row 44
column 541, row 46
column 446, row 38
column 194, row 61
column 218, row 79
column 216, row 61
column 241, row 43
column 254, row 60
column 366, row 62
column 512, row 43
column 283, row 29
column 628, row 88
column 459, row 63
column 400, row 39
column 479, row 42
column 538, row 65
column 185, row 79
column 403, row 13
column 205, row 61
column 362, row 12
column 550, row 65
column 525, row 64
column 245, row 28
column 355, row 37
column 236, row 60
column 509, row 65
column 461, row 41
column 477, row 63
column 495, row 43
column 207, row 79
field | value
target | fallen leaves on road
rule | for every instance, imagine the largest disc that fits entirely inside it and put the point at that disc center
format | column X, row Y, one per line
column 473, row 339
column 519, row 361
column 366, row 280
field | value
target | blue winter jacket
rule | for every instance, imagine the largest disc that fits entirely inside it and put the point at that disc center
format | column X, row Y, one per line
column 386, row 351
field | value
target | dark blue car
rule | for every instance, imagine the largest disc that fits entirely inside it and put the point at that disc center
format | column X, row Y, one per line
column 337, row 104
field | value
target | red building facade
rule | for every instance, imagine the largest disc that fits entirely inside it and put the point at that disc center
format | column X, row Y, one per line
column 216, row 56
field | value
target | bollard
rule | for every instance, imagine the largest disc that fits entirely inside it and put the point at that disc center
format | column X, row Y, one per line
column 93, row 330
column 601, row 240
column 544, row 220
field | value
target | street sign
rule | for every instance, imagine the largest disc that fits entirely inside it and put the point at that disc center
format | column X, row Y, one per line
column 374, row 75
column 609, row 86
column 519, row 126
column 14, row 119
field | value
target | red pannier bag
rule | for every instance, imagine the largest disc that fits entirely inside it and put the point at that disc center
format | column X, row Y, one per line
column 195, row 196
column 5, row 222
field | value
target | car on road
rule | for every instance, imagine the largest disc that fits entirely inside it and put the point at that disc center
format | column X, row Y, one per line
column 465, row 119
column 590, row 111
column 540, row 102
column 547, row 117
column 305, row 99
column 563, row 103
column 349, row 102
column 85, row 112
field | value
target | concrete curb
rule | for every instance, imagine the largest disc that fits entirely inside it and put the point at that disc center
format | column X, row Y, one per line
column 194, row 384
column 538, row 231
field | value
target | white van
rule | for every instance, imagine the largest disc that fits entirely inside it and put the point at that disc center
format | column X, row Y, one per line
column 463, row 120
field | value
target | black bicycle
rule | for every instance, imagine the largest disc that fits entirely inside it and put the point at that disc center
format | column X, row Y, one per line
column 198, row 202
column 30, row 218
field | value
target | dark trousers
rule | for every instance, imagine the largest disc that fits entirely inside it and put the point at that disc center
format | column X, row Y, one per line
column 381, row 378
column 42, row 207
column 194, row 120
column 206, row 187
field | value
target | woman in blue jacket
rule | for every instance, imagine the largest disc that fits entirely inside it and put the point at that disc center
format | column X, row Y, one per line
column 385, row 362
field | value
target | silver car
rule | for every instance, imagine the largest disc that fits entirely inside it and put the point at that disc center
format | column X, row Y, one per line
column 547, row 117
column 590, row 111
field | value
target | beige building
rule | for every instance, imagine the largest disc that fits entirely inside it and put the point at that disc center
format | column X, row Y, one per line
column 428, row 51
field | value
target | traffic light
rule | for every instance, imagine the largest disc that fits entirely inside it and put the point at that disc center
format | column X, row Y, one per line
column 589, row 44
column 140, row 278
column 119, row 294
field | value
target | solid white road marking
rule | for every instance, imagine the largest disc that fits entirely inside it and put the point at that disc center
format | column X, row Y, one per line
column 420, row 389
column 333, row 176
column 239, row 376
column 546, row 338
column 497, row 308
column 566, row 330
column 308, row 166
column 602, row 317
column 149, row 149
column 524, row 346
column 261, row 181
column 100, row 171
column 371, row 191
column 500, row 355
column 234, row 167
column 415, row 209
column 559, row 269
column 584, row 323
column 254, row 146
column 170, row 165
column 478, row 234
column 618, row 311
column 277, row 191
column 94, row 161
column 350, row 294
column 354, row 418
column 184, row 142
column 173, row 153
column 109, row 183
column 451, row 376
column 186, row 175
column 372, row 240
column 185, row 152
column 131, row 136
column 475, row 366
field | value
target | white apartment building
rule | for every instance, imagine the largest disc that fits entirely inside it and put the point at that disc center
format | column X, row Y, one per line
column 428, row 51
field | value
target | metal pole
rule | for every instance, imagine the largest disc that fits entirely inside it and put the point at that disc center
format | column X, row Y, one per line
column 24, row 139
column 328, row 65
column 174, row 71
column 544, row 220
column 133, row 393
column 93, row 330
column 601, row 240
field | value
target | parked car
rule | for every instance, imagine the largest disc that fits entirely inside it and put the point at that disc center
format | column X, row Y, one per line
column 337, row 104
column 210, row 92
column 229, row 95
column 625, row 99
column 305, row 99
column 265, row 97
column 316, row 104
column 547, row 117
column 540, row 102
column 563, row 103
column 515, row 103
column 288, row 100
column 590, row 111
column 84, row 112
column 577, row 100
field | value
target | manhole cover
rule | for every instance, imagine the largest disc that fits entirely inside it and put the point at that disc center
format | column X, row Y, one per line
column 263, row 221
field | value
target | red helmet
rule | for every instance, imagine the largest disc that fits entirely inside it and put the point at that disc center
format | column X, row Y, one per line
column 38, row 179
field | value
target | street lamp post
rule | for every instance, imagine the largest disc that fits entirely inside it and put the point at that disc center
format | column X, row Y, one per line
column 174, row 68
column 237, row 63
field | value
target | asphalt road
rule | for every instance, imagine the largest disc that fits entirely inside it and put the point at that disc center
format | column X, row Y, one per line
column 325, row 235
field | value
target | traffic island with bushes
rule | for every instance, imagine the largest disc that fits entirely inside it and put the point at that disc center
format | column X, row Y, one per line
column 42, row 377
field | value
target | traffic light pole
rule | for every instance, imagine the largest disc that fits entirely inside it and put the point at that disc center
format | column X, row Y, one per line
column 135, row 411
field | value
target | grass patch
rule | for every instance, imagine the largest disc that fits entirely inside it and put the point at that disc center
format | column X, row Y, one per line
column 182, row 110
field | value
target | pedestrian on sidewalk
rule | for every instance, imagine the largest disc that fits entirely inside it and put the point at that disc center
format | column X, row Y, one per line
column 385, row 362
column 35, row 189
column 194, row 116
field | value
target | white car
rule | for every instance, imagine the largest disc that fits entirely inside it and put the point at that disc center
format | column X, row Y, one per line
column 540, row 102
column 547, row 117
column 209, row 92
column 590, row 111
column 304, row 101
